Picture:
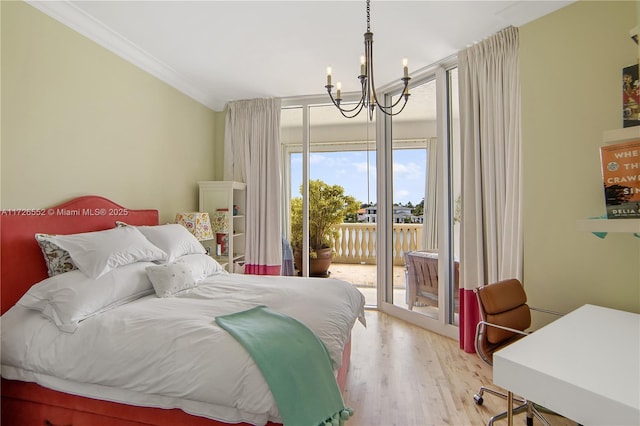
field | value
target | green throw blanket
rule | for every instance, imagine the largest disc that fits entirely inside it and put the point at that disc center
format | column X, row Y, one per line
column 295, row 364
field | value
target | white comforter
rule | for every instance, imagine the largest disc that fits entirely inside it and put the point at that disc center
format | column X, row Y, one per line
column 170, row 352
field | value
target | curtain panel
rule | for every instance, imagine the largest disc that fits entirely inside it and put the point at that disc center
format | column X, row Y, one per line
column 491, row 228
column 252, row 155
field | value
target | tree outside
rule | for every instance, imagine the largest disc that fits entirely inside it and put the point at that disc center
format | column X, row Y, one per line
column 329, row 206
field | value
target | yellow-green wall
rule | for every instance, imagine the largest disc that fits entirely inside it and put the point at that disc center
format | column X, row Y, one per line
column 77, row 120
column 571, row 68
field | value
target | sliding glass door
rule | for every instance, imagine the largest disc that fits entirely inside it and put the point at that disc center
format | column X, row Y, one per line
column 401, row 247
column 414, row 201
column 420, row 194
column 332, row 153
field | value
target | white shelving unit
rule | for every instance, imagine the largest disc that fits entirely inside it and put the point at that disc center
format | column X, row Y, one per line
column 219, row 195
column 613, row 225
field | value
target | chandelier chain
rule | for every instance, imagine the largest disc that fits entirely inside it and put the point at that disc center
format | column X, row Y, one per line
column 368, row 17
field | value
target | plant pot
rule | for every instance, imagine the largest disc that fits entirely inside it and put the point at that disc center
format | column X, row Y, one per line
column 318, row 266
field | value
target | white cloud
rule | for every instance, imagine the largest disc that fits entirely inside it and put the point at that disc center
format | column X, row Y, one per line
column 320, row 159
column 361, row 167
column 410, row 171
column 402, row 195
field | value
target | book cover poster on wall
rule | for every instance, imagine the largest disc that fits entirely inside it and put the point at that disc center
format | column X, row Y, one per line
column 630, row 96
column 621, row 175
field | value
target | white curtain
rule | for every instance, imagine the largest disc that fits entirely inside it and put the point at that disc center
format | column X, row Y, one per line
column 252, row 155
column 491, row 226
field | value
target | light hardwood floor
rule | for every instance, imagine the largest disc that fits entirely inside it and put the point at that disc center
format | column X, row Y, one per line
column 402, row 375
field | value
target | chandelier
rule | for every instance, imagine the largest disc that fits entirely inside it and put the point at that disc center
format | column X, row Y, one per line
column 369, row 98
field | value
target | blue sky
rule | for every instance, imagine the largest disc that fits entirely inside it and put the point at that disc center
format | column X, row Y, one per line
column 349, row 169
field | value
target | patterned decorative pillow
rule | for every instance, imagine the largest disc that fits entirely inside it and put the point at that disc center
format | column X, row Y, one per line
column 57, row 259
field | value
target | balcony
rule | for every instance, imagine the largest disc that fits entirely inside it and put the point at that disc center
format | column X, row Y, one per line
column 357, row 242
column 364, row 278
column 355, row 259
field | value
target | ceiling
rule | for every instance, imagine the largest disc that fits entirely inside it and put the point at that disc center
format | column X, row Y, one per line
column 220, row 51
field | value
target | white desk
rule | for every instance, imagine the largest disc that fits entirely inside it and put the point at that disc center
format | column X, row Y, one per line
column 585, row 366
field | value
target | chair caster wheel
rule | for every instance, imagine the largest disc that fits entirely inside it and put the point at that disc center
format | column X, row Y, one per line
column 478, row 399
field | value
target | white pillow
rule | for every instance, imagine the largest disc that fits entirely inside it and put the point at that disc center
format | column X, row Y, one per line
column 171, row 278
column 202, row 266
column 173, row 239
column 96, row 253
column 68, row 299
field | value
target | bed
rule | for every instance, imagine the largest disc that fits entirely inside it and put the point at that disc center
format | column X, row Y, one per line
column 60, row 370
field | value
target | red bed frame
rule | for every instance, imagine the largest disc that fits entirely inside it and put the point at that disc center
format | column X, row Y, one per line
column 21, row 266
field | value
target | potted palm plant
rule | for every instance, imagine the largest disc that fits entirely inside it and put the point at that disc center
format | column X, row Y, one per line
column 328, row 206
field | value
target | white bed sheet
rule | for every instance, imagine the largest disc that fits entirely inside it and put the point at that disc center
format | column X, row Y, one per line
column 170, row 353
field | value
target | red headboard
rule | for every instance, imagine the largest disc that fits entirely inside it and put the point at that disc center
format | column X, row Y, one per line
column 22, row 263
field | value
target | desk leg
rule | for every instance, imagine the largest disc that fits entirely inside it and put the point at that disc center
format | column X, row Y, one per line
column 510, row 408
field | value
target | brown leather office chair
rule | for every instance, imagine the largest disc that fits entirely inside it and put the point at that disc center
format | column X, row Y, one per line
column 505, row 317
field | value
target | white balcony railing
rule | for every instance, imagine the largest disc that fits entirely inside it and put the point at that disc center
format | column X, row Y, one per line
column 357, row 242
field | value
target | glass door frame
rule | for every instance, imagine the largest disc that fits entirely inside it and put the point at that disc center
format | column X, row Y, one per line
column 443, row 324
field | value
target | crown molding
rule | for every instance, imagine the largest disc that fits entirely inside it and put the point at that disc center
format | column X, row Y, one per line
column 75, row 18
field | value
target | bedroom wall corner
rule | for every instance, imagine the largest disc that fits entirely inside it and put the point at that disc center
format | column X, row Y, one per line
column 219, row 144
column 571, row 69
column 78, row 119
